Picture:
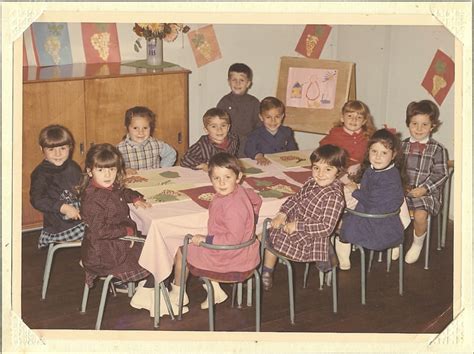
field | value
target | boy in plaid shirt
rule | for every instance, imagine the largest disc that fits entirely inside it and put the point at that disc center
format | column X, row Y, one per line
column 139, row 149
column 52, row 190
column 426, row 168
column 302, row 227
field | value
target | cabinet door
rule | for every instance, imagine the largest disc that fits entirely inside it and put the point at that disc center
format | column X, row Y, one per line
column 46, row 103
column 165, row 94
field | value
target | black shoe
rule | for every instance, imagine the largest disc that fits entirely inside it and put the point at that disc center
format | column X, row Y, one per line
column 120, row 286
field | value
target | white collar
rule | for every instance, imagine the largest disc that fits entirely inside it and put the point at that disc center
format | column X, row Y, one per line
column 385, row 169
column 424, row 141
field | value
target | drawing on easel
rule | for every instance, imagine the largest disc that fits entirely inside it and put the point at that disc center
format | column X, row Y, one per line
column 311, row 88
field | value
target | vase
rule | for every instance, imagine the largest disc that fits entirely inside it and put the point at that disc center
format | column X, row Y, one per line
column 154, row 51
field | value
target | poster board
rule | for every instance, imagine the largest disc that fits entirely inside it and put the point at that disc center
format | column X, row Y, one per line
column 314, row 91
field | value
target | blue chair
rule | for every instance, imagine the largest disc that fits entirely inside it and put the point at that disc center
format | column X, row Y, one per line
column 207, row 281
column 362, row 254
column 287, row 262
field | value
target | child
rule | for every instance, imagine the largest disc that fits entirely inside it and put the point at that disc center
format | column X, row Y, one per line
column 307, row 219
column 218, row 139
column 139, row 149
column 242, row 108
column 352, row 133
column 380, row 192
column 52, row 189
column 106, row 213
column 232, row 217
column 426, row 166
column 272, row 137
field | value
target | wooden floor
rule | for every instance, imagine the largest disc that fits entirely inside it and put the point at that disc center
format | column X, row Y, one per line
column 425, row 307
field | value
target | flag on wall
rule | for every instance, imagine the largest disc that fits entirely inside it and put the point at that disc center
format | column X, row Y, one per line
column 440, row 76
column 51, row 43
column 312, row 40
column 100, row 42
column 204, row 44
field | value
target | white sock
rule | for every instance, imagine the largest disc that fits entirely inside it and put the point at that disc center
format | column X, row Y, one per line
column 174, row 295
column 163, row 308
column 219, row 295
column 395, row 253
column 343, row 251
column 414, row 252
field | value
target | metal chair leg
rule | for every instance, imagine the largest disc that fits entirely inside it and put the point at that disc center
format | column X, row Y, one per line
column 291, row 294
column 210, row 301
column 258, row 299
column 103, row 299
column 85, row 297
column 334, row 290
column 371, row 257
column 239, row 295
column 427, row 242
column 249, row 292
column 362, row 274
column 400, row 271
column 47, row 270
column 305, row 276
column 380, row 257
column 321, row 280
column 389, row 258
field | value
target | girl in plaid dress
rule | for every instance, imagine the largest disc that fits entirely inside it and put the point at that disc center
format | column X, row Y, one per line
column 426, row 167
column 52, row 189
column 302, row 227
column 106, row 214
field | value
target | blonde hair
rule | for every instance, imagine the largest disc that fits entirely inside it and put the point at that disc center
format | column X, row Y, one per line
column 361, row 108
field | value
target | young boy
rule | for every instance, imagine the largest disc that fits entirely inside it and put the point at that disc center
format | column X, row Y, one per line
column 272, row 137
column 426, row 169
column 218, row 139
column 139, row 149
column 242, row 108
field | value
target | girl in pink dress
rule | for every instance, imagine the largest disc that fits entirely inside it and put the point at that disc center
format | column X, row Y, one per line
column 232, row 217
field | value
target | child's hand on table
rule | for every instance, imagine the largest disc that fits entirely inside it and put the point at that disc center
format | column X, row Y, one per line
column 262, row 160
column 142, row 203
column 278, row 220
column 351, row 186
column 290, row 227
column 197, row 239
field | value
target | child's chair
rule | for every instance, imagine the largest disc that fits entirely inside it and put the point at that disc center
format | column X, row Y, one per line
column 389, row 256
column 285, row 260
column 207, row 281
column 53, row 247
column 131, row 288
column 446, row 201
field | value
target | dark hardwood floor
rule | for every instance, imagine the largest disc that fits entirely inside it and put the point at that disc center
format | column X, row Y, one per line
column 425, row 307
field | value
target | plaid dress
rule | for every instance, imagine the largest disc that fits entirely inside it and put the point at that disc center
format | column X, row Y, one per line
column 51, row 187
column 428, row 169
column 106, row 215
column 202, row 151
column 316, row 211
column 152, row 153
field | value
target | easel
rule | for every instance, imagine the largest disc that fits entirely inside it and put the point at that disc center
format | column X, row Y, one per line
column 316, row 120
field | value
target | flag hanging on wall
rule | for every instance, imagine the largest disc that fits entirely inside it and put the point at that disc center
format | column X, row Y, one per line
column 312, row 40
column 51, row 43
column 440, row 76
column 204, row 44
column 100, row 42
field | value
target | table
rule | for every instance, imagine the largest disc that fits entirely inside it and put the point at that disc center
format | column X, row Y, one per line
column 166, row 224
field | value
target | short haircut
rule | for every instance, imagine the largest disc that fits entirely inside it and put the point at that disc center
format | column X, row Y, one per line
column 215, row 112
column 139, row 111
column 333, row 155
column 55, row 135
column 242, row 69
column 271, row 102
column 423, row 107
column 226, row 160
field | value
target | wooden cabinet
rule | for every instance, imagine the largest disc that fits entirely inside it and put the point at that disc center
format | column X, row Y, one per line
column 91, row 100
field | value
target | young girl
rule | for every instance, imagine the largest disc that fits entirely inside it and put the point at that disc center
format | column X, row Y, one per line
column 106, row 214
column 380, row 192
column 52, row 189
column 272, row 137
column 426, row 166
column 352, row 133
column 302, row 227
column 232, row 215
column 139, row 149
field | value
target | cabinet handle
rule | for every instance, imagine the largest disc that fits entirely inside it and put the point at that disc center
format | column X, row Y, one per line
column 81, row 148
column 180, row 138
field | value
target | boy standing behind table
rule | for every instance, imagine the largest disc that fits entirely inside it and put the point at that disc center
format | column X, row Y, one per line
column 218, row 139
column 272, row 137
column 242, row 108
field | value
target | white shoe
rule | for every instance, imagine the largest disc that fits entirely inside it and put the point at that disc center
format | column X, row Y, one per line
column 174, row 295
column 343, row 252
column 395, row 253
column 414, row 252
column 219, row 295
column 143, row 298
column 163, row 308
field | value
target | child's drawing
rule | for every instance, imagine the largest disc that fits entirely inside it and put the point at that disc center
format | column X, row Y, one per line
column 311, row 88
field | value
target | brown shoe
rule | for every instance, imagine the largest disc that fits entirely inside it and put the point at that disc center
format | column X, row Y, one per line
column 267, row 280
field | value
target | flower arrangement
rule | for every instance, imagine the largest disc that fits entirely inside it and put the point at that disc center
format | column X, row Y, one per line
column 165, row 31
